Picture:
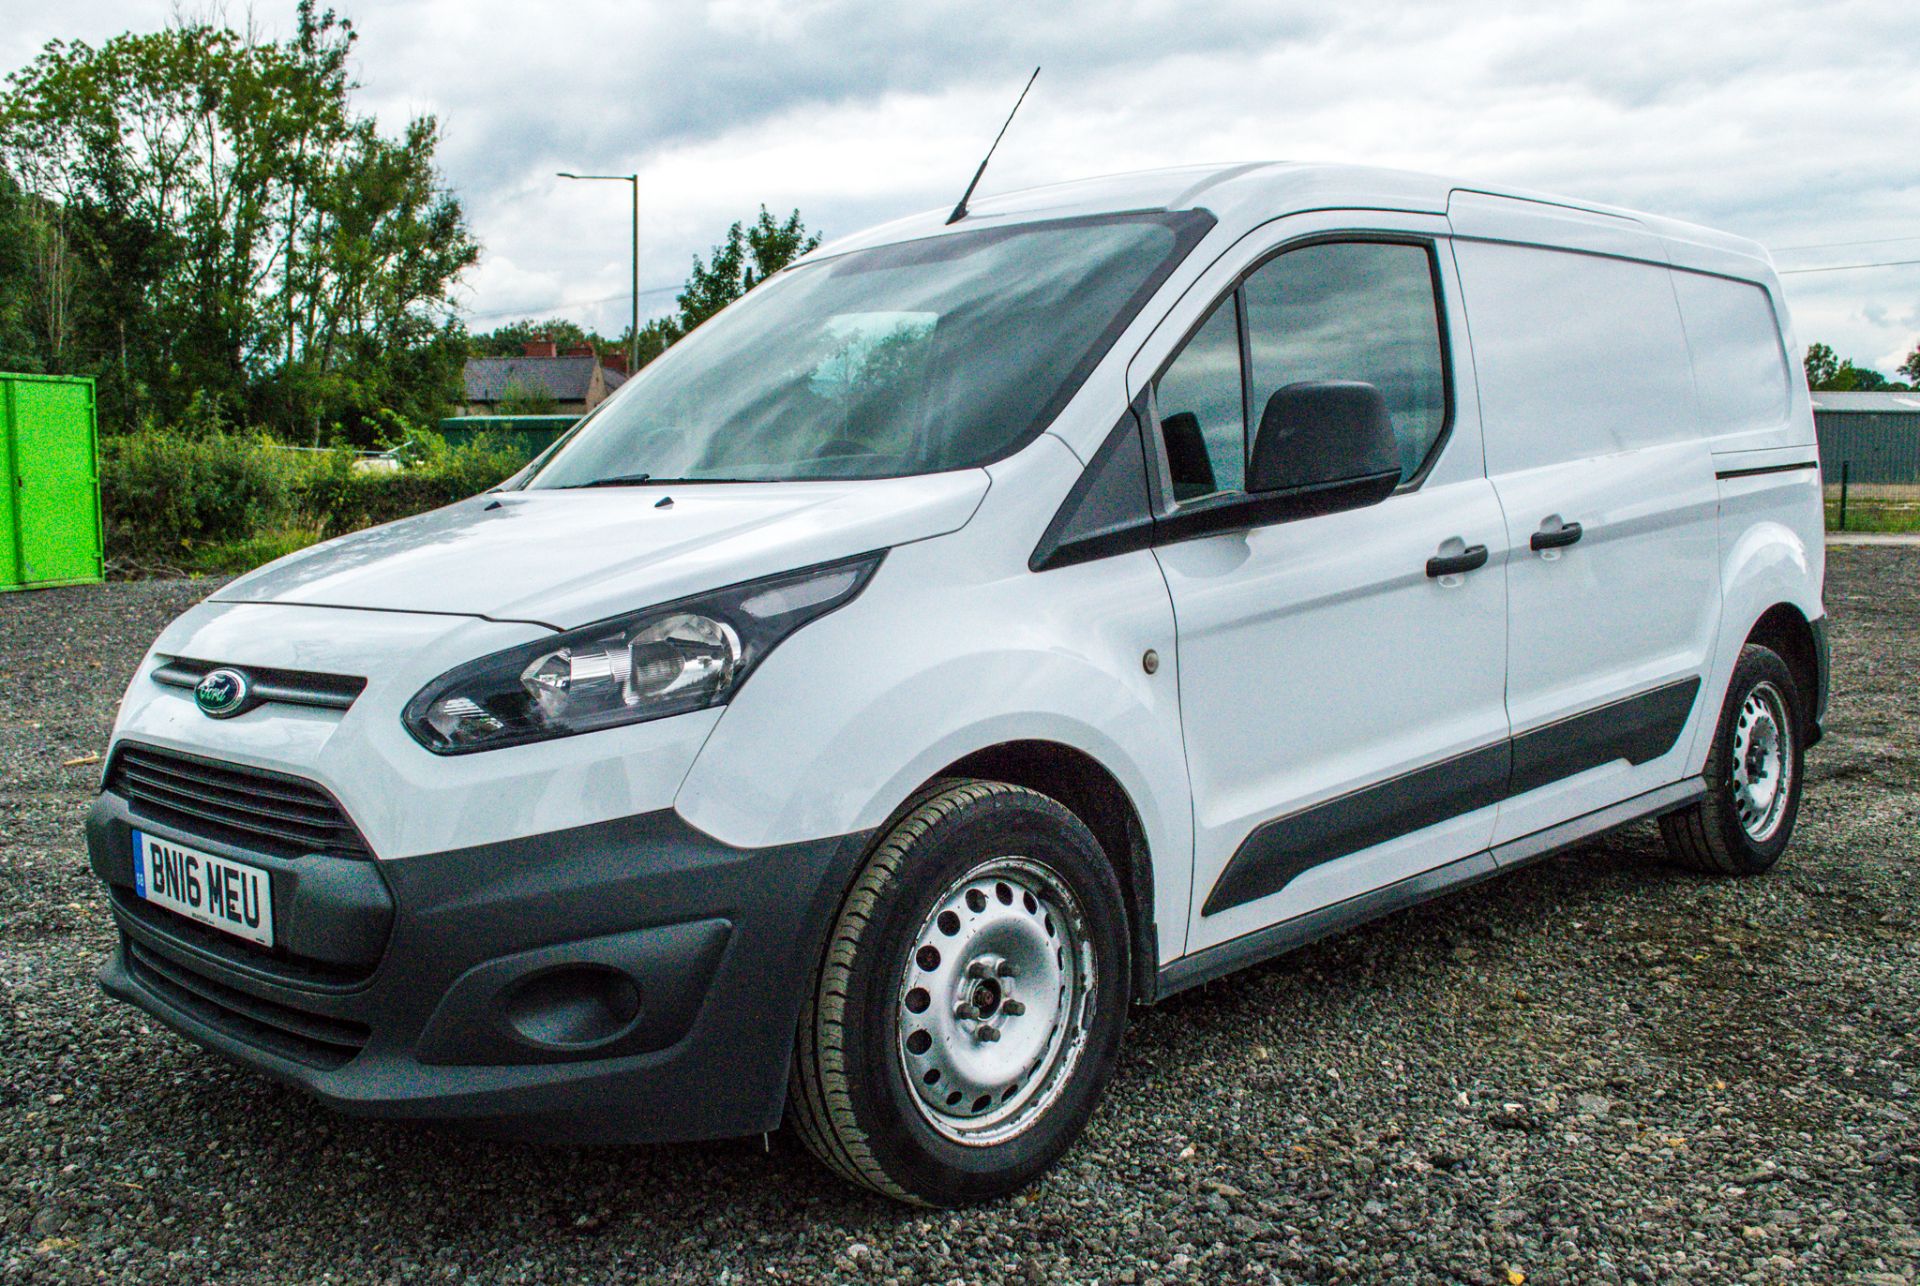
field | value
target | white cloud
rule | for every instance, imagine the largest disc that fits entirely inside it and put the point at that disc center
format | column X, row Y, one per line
column 1786, row 123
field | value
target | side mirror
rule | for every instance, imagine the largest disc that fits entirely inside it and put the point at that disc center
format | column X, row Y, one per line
column 1331, row 436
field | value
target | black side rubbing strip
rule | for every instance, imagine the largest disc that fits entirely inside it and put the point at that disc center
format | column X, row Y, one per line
column 1724, row 474
column 1280, row 850
column 1263, row 944
column 1639, row 729
column 1108, row 511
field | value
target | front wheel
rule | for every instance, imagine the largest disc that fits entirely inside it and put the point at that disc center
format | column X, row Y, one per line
column 1753, row 775
column 968, row 1013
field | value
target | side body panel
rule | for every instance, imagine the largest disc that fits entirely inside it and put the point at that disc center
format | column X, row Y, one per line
column 1589, row 417
column 1765, row 453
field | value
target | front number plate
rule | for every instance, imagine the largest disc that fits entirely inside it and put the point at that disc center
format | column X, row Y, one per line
column 217, row 891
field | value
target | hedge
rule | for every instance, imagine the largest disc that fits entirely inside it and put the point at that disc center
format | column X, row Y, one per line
column 226, row 502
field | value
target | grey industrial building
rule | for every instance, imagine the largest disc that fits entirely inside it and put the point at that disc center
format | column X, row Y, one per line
column 1875, row 435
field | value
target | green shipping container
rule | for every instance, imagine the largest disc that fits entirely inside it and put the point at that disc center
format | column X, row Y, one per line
column 50, row 506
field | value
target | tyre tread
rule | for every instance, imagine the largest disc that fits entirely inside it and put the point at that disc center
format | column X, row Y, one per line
column 819, row 1099
column 1696, row 836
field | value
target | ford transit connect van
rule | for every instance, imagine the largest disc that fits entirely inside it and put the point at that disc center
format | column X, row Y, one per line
column 979, row 629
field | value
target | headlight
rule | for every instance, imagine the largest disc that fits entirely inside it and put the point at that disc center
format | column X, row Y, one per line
column 662, row 661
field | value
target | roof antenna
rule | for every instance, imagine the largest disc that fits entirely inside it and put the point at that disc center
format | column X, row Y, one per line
column 960, row 211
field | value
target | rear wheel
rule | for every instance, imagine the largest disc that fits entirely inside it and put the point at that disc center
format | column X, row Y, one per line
column 968, row 1014
column 1753, row 775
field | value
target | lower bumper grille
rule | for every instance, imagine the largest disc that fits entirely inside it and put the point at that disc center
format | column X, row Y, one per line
column 248, row 807
column 297, row 1034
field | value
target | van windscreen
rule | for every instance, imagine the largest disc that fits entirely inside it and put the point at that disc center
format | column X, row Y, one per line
column 943, row 353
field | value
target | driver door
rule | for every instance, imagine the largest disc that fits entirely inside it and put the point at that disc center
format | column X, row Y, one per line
column 1343, row 709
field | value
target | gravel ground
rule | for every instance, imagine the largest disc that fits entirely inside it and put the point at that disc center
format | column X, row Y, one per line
column 1596, row 1070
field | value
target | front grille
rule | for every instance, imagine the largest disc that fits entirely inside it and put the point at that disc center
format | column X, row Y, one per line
column 286, row 687
column 247, row 807
column 314, row 1039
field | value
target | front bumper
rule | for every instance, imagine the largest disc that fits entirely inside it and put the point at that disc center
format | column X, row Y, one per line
column 626, row 981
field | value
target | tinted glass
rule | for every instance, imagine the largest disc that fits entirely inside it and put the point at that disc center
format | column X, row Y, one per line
column 1739, row 367
column 911, row 358
column 1202, row 406
column 1353, row 311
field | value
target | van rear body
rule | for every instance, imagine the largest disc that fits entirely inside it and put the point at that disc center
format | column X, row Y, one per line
column 973, row 632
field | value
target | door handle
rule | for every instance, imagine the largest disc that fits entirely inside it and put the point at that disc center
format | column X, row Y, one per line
column 1558, row 538
column 1453, row 564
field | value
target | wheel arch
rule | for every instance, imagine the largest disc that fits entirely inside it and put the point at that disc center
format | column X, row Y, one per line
column 1770, row 590
column 1784, row 628
column 1085, row 786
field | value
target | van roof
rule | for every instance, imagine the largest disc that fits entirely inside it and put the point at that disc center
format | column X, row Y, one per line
column 1244, row 195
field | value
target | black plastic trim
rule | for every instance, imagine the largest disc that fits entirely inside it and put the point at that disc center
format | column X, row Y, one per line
column 1637, row 729
column 331, row 915
column 1724, row 474
column 1286, row 847
column 269, row 686
column 1250, row 949
column 721, row 943
column 1241, row 511
column 1109, row 511
column 235, row 803
column 1472, row 558
column 1823, row 679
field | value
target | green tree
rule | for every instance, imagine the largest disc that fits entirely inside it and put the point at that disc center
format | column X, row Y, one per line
column 1827, row 373
column 522, row 398
column 1856, row 379
column 749, row 254
column 512, row 338
column 22, row 253
column 231, row 234
column 1911, row 366
column 1821, row 365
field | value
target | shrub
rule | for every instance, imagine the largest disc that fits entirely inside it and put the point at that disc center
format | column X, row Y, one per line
column 164, row 493
column 346, row 498
column 223, row 501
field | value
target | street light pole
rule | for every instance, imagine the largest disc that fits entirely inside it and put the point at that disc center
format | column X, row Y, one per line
column 633, row 330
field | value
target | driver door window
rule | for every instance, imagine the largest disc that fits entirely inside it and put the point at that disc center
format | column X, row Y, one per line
column 1344, row 310
column 1202, row 402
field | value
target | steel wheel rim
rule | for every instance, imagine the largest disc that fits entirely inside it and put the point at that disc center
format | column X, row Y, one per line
column 1004, row 950
column 1762, row 762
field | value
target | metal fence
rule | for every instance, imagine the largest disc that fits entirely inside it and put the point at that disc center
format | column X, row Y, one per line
column 1877, row 447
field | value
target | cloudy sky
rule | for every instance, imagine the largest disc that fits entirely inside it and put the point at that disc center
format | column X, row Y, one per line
column 1795, row 124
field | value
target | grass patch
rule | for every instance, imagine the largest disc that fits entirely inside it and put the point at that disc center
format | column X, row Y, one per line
column 231, row 557
column 1875, row 516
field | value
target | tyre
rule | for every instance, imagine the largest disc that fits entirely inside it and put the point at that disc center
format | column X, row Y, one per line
column 1753, row 775
column 968, row 1012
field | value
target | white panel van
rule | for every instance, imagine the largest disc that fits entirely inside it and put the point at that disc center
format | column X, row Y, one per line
column 983, row 627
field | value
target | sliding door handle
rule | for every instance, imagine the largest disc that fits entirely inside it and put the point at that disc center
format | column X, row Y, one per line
column 1560, row 537
column 1453, row 564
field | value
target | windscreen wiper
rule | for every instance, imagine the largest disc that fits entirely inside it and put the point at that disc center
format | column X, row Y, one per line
column 618, row 480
